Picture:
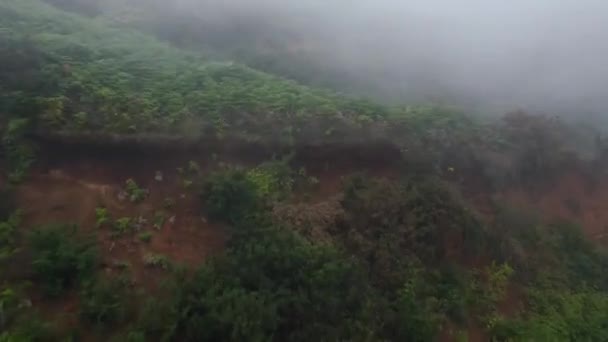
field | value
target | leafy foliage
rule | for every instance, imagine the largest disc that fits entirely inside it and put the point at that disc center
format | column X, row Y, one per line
column 134, row 192
column 386, row 224
column 157, row 261
column 7, row 235
column 557, row 315
column 19, row 152
column 230, row 195
column 145, row 237
column 159, row 219
column 123, row 225
column 31, row 329
column 104, row 302
column 273, row 180
column 128, row 82
column 60, row 259
column 266, row 288
column 102, row 217
column 390, row 265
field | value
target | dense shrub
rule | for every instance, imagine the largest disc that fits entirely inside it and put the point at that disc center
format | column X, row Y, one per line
column 230, row 195
column 7, row 235
column 273, row 181
column 386, row 223
column 104, row 302
column 7, row 203
column 416, row 313
column 557, row 314
column 30, row 328
column 61, row 259
column 272, row 285
column 127, row 82
column 234, row 194
column 18, row 151
column 576, row 260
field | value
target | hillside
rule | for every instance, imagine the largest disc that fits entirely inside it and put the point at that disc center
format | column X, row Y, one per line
column 150, row 193
column 130, row 83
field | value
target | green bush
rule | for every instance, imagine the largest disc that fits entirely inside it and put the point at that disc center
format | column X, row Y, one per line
column 123, row 225
column 19, row 152
column 104, row 303
column 102, row 217
column 387, row 224
column 157, row 261
column 273, row 180
column 557, row 314
column 7, row 203
column 416, row 312
column 134, row 192
column 575, row 258
column 60, row 258
column 30, row 328
column 9, row 306
column 159, row 219
column 145, row 237
column 7, row 235
column 230, row 195
column 272, row 285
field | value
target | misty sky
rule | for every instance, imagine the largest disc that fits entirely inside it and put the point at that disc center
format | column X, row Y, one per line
column 545, row 54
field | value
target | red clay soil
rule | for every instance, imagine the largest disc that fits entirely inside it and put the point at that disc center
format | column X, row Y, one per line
column 70, row 194
column 70, row 182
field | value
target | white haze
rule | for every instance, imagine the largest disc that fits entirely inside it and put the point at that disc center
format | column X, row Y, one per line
column 545, row 55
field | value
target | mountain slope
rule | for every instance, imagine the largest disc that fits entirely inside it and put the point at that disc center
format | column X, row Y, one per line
column 90, row 76
column 107, row 234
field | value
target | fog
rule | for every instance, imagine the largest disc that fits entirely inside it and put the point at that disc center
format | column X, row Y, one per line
column 544, row 55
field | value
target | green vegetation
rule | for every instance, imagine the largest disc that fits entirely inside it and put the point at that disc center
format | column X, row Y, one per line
column 159, row 219
column 7, row 235
column 104, row 303
column 230, row 195
column 123, row 225
column 128, row 82
column 134, row 192
column 145, row 237
column 19, row 153
column 102, row 217
column 168, row 203
column 157, row 261
column 235, row 194
column 61, row 260
column 401, row 258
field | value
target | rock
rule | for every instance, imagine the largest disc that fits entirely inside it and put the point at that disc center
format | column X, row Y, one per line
column 172, row 219
column 158, row 176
